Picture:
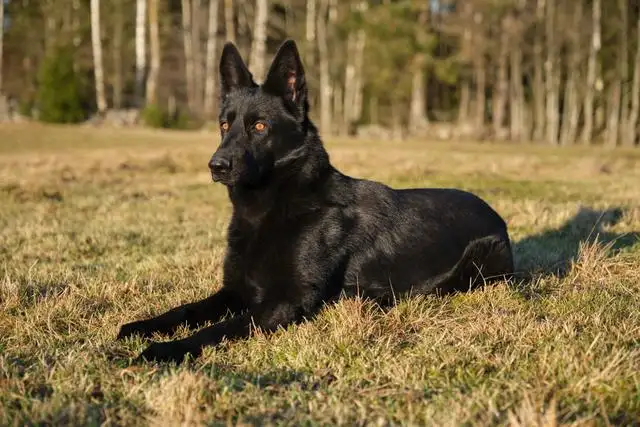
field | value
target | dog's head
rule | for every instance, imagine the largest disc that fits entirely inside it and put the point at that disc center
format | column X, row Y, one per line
column 263, row 127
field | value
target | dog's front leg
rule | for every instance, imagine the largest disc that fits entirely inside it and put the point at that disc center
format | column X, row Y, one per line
column 268, row 319
column 193, row 315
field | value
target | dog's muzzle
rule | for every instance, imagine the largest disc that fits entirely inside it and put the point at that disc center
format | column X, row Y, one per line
column 220, row 167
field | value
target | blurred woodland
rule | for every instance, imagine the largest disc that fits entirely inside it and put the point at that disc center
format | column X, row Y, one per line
column 559, row 72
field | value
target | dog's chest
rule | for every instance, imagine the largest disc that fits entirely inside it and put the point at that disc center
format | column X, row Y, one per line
column 267, row 260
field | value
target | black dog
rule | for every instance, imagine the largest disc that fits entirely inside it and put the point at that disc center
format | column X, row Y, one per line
column 302, row 233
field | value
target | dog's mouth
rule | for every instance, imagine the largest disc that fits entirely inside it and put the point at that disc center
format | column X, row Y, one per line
column 221, row 178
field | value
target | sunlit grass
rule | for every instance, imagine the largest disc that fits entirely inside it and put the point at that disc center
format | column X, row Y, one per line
column 101, row 227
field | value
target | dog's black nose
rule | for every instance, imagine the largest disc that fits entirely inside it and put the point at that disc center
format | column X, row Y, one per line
column 219, row 165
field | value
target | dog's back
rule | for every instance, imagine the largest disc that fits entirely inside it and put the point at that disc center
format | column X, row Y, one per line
column 420, row 240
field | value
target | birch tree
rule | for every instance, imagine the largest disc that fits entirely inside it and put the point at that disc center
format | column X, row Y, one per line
column 188, row 54
column 592, row 70
column 154, row 44
column 209, row 97
column 141, row 49
column 96, row 43
column 259, row 44
column 1, row 40
column 229, row 22
column 552, row 74
column 634, row 113
column 418, row 120
column 325, row 77
column 118, row 35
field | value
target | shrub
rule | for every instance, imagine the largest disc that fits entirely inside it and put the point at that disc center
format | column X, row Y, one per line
column 60, row 97
column 155, row 117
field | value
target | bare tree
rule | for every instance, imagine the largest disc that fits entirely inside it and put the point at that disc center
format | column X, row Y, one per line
column 325, row 77
column 502, row 79
column 552, row 74
column 617, row 98
column 310, row 32
column 538, row 74
column 571, row 106
column 259, row 44
column 197, row 47
column 1, row 40
column 229, row 22
column 592, row 72
column 154, row 44
column 464, row 107
column 212, row 39
column 418, row 120
column 351, row 108
column 517, row 101
column 634, row 113
column 480, row 71
column 97, row 56
column 141, row 48
column 118, row 31
column 188, row 53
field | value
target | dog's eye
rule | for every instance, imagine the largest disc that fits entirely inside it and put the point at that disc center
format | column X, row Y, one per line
column 260, row 126
column 224, row 126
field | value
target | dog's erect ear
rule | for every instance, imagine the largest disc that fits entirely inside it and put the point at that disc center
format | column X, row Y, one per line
column 234, row 74
column 286, row 77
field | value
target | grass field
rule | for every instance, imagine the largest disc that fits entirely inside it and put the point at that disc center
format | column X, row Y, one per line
column 102, row 227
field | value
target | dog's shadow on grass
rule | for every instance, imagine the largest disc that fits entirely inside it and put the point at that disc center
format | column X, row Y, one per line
column 552, row 252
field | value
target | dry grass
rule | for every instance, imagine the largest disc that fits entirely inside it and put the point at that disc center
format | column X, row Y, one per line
column 98, row 228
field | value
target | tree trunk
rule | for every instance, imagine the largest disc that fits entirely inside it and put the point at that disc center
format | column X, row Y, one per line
column 624, row 70
column 244, row 33
column 154, row 44
column 259, row 45
column 337, row 111
column 118, row 31
column 196, row 40
column 96, row 43
column 571, row 107
column 229, row 22
column 374, row 116
column 480, row 77
column 141, row 49
column 634, row 114
column 1, row 40
column 552, row 75
column 418, row 120
column 464, row 109
column 618, row 98
column 502, row 83
column 351, row 109
column 325, row 78
column 212, row 39
column 613, row 120
column 188, row 53
column 75, row 25
column 538, row 75
column 310, row 33
column 349, row 86
column 592, row 70
column 396, row 120
column 517, row 104
column 361, row 42
column 481, row 86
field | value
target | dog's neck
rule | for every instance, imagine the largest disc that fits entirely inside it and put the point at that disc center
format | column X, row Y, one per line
column 304, row 178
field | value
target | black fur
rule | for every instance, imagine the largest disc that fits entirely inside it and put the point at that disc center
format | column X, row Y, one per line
column 302, row 233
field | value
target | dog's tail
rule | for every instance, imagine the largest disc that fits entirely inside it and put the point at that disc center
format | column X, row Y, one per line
column 484, row 260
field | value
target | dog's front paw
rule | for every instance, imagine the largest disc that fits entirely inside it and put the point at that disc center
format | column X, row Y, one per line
column 171, row 351
column 134, row 328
